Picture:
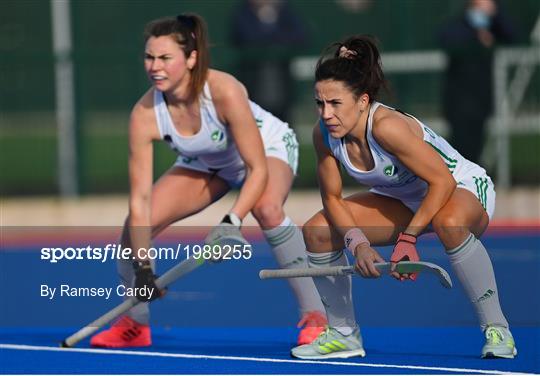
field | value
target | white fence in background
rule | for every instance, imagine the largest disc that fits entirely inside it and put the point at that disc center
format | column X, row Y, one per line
column 509, row 94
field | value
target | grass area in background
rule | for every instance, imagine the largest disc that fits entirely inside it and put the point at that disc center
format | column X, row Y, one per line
column 525, row 159
column 28, row 164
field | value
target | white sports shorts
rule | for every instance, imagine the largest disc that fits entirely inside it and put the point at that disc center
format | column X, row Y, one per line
column 279, row 142
column 476, row 181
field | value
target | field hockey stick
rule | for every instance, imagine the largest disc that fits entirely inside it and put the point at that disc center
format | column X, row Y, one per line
column 165, row 280
column 404, row 267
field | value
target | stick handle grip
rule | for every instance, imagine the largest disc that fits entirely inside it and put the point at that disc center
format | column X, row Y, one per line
column 315, row 272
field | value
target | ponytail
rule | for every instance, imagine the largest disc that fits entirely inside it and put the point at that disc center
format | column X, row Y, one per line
column 357, row 63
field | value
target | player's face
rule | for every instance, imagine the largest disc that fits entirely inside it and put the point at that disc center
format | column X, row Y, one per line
column 338, row 107
column 165, row 62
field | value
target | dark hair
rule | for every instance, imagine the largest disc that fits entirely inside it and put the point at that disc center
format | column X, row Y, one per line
column 190, row 32
column 356, row 62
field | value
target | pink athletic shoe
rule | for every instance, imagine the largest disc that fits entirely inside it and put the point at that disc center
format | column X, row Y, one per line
column 313, row 324
column 125, row 332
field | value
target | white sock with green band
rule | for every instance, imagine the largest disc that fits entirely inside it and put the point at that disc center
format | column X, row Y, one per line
column 472, row 265
column 289, row 249
column 335, row 292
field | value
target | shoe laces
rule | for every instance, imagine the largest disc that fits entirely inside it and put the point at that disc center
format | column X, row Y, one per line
column 321, row 338
column 127, row 328
column 494, row 335
column 121, row 321
column 124, row 323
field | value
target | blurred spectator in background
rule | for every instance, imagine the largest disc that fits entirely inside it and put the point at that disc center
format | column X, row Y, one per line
column 469, row 42
column 355, row 6
column 268, row 33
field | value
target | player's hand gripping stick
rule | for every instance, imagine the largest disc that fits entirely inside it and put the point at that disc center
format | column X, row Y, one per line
column 227, row 232
column 404, row 250
column 145, row 280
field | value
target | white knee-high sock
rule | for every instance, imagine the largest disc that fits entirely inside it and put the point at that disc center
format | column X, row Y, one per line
column 335, row 292
column 141, row 312
column 289, row 249
column 472, row 265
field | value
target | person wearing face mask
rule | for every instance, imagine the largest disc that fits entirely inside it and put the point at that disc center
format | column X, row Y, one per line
column 267, row 35
column 469, row 43
column 222, row 140
column 417, row 183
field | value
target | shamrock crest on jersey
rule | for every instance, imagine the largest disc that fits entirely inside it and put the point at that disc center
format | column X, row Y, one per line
column 218, row 136
column 390, row 170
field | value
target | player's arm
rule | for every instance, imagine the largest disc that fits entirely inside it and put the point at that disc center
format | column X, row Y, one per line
column 142, row 131
column 395, row 136
column 231, row 100
column 337, row 211
column 331, row 186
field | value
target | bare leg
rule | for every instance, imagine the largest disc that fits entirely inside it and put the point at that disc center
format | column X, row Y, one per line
column 381, row 218
column 178, row 194
column 283, row 235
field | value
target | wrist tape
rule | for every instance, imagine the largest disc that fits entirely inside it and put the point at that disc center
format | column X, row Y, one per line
column 404, row 237
column 232, row 219
column 355, row 237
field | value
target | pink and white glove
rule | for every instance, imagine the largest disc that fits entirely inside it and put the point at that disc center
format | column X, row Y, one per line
column 405, row 250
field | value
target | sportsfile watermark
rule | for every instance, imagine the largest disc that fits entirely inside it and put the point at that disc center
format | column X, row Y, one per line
column 73, row 284
column 118, row 252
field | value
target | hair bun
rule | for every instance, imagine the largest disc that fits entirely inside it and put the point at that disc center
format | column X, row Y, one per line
column 346, row 53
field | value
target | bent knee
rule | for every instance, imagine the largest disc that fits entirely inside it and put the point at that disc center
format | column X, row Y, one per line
column 268, row 214
column 449, row 226
column 317, row 233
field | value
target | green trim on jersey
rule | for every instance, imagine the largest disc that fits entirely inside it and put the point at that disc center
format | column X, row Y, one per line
column 291, row 145
column 450, row 162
